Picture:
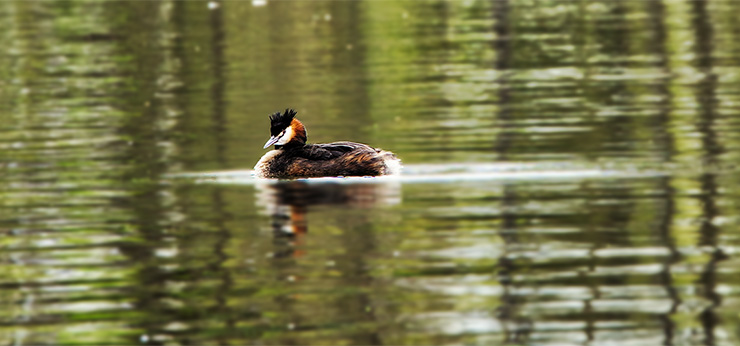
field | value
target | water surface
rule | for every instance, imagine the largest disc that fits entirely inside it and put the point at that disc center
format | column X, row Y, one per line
column 571, row 173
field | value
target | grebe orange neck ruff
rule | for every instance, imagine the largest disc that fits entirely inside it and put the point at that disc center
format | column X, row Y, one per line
column 293, row 158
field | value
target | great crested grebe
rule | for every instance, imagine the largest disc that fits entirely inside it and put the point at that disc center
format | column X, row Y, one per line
column 293, row 158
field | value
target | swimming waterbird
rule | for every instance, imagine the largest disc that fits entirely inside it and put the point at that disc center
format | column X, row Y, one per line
column 294, row 158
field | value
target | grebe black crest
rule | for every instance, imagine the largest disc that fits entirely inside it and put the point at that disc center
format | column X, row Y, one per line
column 293, row 158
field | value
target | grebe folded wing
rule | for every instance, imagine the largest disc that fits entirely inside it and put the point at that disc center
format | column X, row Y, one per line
column 328, row 151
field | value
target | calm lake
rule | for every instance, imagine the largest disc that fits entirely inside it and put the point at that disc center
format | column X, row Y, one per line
column 571, row 173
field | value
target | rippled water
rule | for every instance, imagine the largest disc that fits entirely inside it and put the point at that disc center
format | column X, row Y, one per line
column 570, row 173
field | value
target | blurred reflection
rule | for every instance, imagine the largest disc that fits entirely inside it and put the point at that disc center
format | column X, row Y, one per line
column 287, row 202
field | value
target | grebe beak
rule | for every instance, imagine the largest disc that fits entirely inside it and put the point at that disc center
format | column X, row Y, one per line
column 271, row 141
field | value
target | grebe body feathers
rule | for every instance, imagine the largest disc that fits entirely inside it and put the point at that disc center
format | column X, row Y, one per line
column 293, row 158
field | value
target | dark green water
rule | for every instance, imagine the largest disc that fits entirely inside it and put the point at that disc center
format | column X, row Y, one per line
column 615, row 125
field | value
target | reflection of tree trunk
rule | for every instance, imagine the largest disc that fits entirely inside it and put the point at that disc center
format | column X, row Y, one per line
column 706, row 99
column 707, row 88
column 665, row 144
column 620, row 128
column 217, row 90
column 502, row 49
column 509, row 302
column 515, row 328
column 356, row 273
column 505, row 312
column 217, row 266
column 666, row 276
column 709, row 234
column 593, row 286
column 350, row 61
column 223, row 235
column 663, row 137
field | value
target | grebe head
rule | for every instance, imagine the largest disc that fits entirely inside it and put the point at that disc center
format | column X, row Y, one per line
column 285, row 129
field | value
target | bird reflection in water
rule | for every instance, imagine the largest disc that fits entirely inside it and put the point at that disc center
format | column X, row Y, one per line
column 287, row 203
